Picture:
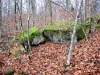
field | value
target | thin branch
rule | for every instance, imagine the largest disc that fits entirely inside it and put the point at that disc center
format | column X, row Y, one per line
column 62, row 8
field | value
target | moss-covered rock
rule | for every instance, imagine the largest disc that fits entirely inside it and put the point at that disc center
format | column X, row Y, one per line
column 33, row 31
column 60, row 32
column 35, row 37
column 9, row 72
column 60, row 25
column 57, row 36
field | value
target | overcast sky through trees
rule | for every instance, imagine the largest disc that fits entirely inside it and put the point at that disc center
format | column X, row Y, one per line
column 39, row 5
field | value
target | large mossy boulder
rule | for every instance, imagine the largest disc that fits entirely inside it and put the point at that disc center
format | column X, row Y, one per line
column 57, row 36
column 35, row 37
column 60, row 32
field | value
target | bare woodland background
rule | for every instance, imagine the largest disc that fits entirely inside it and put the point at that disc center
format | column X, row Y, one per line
column 15, row 15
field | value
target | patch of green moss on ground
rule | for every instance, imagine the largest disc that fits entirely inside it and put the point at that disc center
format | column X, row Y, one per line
column 33, row 31
column 22, row 73
column 54, row 26
column 16, row 53
column 9, row 72
column 96, row 17
column 98, row 26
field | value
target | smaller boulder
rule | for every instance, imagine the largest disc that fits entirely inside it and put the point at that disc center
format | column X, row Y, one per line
column 35, row 37
column 37, row 40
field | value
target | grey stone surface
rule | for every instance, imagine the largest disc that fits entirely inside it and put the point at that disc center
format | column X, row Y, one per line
column 58, row 36
column 37, row 40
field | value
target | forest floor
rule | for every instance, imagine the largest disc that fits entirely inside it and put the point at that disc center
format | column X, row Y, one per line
column 50, row 59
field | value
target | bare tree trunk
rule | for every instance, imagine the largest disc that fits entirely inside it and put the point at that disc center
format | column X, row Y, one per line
column 28, row 23
column 68, row 3
column 15, row 6
column 0, row 12
column 93, row 13
column 74, row 33
column 45, row 4
column 8, row 41
column 50, row 7
column 21, row 14
column 83, row 13
column 93, row 7
column 20, row 18
column 28, row 32
column 33, row 2
column 0, row 16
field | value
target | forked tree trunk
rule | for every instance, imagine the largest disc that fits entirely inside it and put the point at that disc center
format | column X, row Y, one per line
column 74, row 33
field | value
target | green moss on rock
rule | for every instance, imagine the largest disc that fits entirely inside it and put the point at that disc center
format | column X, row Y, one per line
column 61, row 25
column 80, row 34
column 96, row 17
column 98, row 26
column 57, row 36
column 35, row 38
column 33, row 31
column 61, row 31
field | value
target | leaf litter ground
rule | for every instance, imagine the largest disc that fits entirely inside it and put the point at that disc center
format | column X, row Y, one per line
column 50, row 59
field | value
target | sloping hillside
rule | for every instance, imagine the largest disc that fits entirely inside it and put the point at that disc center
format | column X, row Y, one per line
column 50, row 59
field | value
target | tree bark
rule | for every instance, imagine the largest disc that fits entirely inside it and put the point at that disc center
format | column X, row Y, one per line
column 0, row 12
column 33, row 2
column 50, row 7
column 28, row 22
column 93, row 7
column 68, row 4
column 0, row 16
column 74, row 33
